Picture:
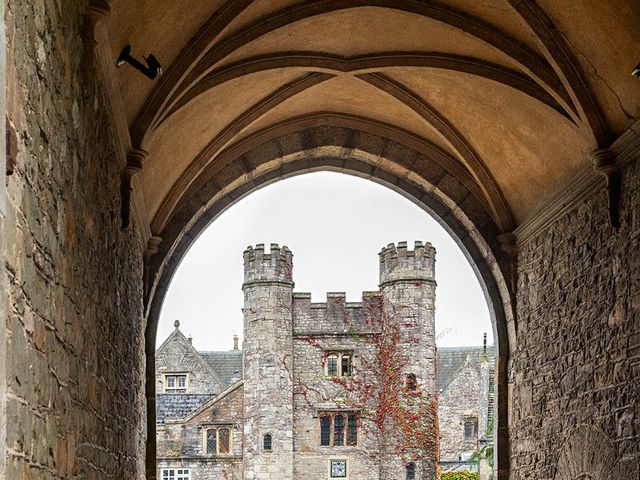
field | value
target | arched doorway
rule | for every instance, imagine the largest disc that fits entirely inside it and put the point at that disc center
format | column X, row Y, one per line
column 419, row 171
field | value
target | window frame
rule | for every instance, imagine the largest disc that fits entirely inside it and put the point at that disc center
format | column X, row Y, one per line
column 185, row 475
column 175, row 376
column 348, row 427
column 330, row 464
column 217, row 428
column 410, row 469
column 340, row 367
column 264, row 438
column 411, row 382
column 474, row 428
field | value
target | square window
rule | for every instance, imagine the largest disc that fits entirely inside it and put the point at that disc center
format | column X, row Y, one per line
column 171, row 382
column 470, row 428
column 338, row 469
column 182, row 381
column 175, row 474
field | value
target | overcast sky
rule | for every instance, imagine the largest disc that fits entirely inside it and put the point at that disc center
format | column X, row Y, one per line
column 335, row 225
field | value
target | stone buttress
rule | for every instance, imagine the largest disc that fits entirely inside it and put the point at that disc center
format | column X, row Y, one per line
column 407, row 286
column 268, row 347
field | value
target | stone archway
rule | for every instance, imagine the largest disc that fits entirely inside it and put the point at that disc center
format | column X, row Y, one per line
column 420, row 171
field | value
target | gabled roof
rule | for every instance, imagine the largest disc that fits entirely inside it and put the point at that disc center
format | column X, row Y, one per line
column 177, row 405
column 227, row 365
column 178, row 335
column 451, row 359
column 214, row 400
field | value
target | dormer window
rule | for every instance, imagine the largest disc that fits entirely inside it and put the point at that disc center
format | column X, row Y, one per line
column 338, row 364
column 175, row 383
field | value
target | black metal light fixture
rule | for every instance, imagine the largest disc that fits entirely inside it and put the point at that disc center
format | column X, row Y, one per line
column 636, row 71
column 152, row 68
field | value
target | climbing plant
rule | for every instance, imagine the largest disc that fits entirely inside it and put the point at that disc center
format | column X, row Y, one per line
column 405, row 418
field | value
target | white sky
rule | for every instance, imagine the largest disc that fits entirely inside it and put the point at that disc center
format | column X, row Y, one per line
column 335, row 225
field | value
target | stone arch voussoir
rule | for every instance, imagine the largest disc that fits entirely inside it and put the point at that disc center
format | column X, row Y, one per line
column 426, row 179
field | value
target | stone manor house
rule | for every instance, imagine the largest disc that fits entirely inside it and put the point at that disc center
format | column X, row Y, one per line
column 302, row 398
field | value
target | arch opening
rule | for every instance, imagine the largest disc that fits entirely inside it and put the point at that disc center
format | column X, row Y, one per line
column 463, row 217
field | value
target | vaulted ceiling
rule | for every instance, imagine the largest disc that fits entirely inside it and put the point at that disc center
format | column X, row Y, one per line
column 518, row 92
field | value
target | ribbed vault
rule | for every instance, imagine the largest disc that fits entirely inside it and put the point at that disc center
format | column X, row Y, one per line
column 481, row 112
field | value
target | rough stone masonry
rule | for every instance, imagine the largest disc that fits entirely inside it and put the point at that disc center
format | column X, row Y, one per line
column 75, row 360
column 289, row 389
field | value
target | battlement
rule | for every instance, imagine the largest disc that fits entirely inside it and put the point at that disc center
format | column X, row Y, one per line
column 336, row 315
column 261, row 267
column 397, row 263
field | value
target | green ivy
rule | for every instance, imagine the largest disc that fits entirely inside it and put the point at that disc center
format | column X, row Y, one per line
column 460, row 475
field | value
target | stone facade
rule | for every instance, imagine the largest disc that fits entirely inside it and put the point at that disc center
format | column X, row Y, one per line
column 574, row 376
column 294, row 355
column 182, row 442
column 288, row 386
column 465, row 402
column 177, row 356
column 72, row 280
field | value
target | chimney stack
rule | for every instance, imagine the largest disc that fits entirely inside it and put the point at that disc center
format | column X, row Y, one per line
column 235, row 342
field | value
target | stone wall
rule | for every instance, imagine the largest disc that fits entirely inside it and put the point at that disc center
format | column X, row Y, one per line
column 75, row 357
column 177, row 355
column 577, row 364
column 314, row 393
column 460, row 400
column 408, row 290
column 181, row 443
column 268, row 352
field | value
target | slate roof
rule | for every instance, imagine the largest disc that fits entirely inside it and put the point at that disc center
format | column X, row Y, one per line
column 451, row 359
column 177, row 405
column 227, row 365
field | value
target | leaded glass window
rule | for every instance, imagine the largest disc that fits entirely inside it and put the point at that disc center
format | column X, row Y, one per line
column 338, row 430
column 212, row 443
column 224, row 440
column 325, row 430
column 352, row 430
column 266, row 443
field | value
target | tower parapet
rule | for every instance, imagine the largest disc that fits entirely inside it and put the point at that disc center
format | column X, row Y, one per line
column 274, row 267
column 399, row 264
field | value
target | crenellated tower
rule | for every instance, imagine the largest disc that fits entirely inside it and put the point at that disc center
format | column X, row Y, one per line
column 268, row 351
column 408, row 288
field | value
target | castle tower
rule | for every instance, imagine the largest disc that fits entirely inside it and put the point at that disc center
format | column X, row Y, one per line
column 268, row 351
column 408, row 287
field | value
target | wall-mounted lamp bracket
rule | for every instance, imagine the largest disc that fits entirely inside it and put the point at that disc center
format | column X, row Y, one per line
column 151, row 70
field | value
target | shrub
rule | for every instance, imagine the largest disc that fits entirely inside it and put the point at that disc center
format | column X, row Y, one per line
column 461, row 475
